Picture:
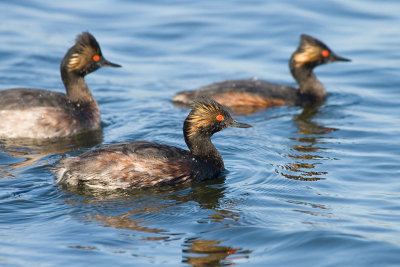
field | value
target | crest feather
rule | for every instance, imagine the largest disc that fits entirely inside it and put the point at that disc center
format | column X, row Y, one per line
column 204, row 112
column 310, row 50
column 309, row 53
column 207, row 105
column 84, row 49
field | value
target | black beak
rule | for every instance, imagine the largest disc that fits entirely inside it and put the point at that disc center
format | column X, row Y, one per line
column 235, row 123
column 106, row 63
column 337, row 58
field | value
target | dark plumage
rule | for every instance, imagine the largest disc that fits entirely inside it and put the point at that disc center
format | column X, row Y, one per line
column 144, row 164
column 250, row 95
column 36, row 113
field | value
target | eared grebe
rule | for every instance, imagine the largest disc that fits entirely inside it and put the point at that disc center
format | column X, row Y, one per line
column 144, row 164
column 35, row 113
column 250, row 95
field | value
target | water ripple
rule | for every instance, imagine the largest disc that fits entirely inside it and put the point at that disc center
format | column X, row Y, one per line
column 302, row 187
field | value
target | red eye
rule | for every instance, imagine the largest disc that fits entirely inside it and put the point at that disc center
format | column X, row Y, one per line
column 220, row 118
column 96, row 58
column 325, row 53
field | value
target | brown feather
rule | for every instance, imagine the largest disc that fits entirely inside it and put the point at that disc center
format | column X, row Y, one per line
column 82, row 58
column 309, row 53
column 204, row 113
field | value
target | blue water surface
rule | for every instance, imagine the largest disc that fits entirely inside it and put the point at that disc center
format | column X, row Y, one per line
column 303, row 187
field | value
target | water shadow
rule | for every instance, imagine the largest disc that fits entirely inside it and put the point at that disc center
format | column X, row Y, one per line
column 306, row 152
column 24, row 153
column 130, row 203
column 141, row 211
column 200, row 252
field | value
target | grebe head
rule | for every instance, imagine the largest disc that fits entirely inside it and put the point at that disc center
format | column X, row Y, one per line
column 85, row 56
column 311, row 53
column 208, row 117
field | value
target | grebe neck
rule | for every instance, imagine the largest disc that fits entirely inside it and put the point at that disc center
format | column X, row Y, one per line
column 76, row 87
column 201, row 146
column 308, row 82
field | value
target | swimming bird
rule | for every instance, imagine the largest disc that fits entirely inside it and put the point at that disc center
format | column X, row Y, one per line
column 253, row 94
column 145, row 164
column 38, row 113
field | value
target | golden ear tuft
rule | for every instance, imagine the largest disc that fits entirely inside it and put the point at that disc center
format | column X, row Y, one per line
column 203, row 114
column 310, row 53
column 74, row 62
column 83, row 56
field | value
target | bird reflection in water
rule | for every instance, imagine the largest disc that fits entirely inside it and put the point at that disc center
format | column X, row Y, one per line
column 205, row 253
column 139, row 202
column 26, row 153
column 142, row 210
column 306, row 151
